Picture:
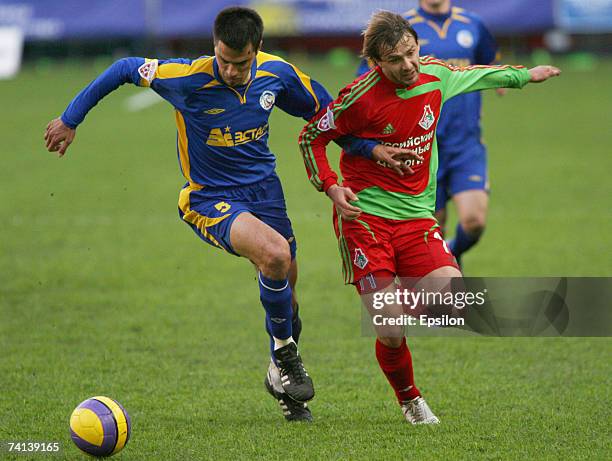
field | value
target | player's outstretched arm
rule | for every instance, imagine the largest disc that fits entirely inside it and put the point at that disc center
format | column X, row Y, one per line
column 458, row 80
column 60, row 132
column 58, row 136
column 542, row 73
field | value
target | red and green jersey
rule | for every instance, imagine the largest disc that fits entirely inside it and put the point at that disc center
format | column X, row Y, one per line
column 376, row 108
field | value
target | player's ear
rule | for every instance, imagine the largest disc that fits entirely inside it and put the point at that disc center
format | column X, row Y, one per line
column 259, row 47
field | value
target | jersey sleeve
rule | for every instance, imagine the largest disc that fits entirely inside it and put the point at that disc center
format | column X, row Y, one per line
column 122, row 71
column 135, row 70
column 459, row 80
column 486, row 50
column 301, row 96
column 342, row 117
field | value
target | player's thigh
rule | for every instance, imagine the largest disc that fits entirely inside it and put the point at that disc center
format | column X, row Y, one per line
column 364, row 246
column 210, row 218
column 420, row 248
column 472, row 207
column 252, row 238
column 468, row 169
column 268, row 205
column 442, row 192
column 436, row 286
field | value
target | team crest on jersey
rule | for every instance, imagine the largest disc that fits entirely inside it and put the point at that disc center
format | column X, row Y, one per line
column 428, row 118
column 327, row 121
column 465, row 38
column 266, row 100
column 147, row 70
column 360, row 259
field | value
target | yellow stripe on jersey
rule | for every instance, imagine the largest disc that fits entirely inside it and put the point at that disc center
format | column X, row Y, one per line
column 119, row 418
column 441, row 31
column 174, row 70
column 183, row 146
column 264, row 73
column 266, row 57
column 212, row 83
column 305, row 79
column 457, row 14
column 463, row 19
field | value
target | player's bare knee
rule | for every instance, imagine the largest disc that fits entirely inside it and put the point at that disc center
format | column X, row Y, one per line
column 474, row 224
column 276, row 260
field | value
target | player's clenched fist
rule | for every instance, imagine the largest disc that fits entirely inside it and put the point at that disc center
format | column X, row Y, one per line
column 341, row 196
column 58, row 136
column 543, row 73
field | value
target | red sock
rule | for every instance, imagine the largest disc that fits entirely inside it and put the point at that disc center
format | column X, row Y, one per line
column 396, row 364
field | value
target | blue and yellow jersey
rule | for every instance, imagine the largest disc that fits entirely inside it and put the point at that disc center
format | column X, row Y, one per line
column 222, row 131
column 460, row 38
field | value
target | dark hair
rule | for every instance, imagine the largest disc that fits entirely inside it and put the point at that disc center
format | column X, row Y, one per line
column 237, row 26
column 383, row 33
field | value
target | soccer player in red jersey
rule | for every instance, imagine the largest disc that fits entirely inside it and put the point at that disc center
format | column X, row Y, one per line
column 384, row 220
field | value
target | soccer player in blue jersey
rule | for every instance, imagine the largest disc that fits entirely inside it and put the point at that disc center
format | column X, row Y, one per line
column 233, row 199
column 461, row 39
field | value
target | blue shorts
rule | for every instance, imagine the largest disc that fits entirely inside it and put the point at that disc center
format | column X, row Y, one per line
column 460, row 171
column 210, row 212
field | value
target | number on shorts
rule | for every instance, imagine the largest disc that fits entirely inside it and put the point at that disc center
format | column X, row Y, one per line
column 223, row 206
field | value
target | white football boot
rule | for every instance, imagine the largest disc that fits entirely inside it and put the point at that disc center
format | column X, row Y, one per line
column 416, row 411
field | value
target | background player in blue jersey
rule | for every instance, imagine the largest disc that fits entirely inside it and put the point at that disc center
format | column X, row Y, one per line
column 461, row 39
column 233, row 199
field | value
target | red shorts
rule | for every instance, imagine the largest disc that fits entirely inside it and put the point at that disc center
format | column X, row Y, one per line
column 407, row 248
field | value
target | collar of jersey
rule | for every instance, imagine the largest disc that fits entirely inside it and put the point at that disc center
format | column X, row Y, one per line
column 435, row 17
column 220, row 80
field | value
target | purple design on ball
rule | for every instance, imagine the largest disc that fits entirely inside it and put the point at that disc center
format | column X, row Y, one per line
column 109, row 426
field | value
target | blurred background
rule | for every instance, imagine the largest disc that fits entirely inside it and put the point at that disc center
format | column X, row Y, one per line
column 77, row 29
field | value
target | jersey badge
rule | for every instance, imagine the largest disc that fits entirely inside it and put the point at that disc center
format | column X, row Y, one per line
column 428, row 118
column 465, row 38
column 147, row 70
column 360, row 259
column 326, row 122
column 266, row 100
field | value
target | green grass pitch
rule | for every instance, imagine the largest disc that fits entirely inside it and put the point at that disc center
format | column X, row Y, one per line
column 104, row 291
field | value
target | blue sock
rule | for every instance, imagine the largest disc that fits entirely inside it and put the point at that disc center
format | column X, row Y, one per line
column 296, row 324
column 462, row 242
column 275, row 296
column 296, row 328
